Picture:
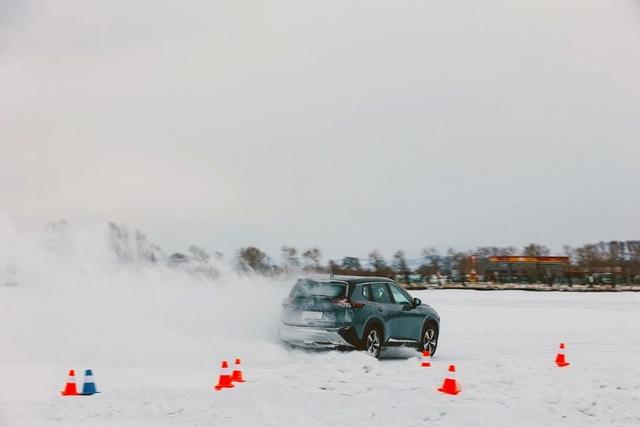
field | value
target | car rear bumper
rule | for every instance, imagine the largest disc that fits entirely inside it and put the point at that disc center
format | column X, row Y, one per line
column 313, row 336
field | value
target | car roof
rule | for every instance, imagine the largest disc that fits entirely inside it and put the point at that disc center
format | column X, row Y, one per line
column 352, row 280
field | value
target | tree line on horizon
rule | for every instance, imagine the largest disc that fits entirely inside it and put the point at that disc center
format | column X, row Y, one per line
column 614, row 256
column 132, row 247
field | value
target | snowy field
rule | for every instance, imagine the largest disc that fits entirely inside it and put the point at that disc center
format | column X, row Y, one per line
column 156, row 354
column 155, row 336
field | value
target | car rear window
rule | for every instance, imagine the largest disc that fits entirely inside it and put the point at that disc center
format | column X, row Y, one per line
column 309, row 288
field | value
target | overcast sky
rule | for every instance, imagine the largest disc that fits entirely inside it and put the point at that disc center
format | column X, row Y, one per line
column 344, row 125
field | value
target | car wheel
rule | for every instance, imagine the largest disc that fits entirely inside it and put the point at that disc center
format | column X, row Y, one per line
column 373, row 341
column 429, row 340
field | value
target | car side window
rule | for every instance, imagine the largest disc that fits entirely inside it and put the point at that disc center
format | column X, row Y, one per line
column 361, row 293
column 380, row 293
column 398, row 296
column 366, row 292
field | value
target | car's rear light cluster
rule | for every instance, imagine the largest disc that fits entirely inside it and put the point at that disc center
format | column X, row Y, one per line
column 347, row 303
column 340, row 302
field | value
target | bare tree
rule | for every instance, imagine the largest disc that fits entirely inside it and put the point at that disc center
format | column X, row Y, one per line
column 400, row 264
column 351, row 264
column 312, row 258
column 120, row 242
column 616, row 253
column 590, row 255
column 252, row 259
column 290, row 260
column 432, row 259
column 535, row 250
column 489, row 251
column 633, row 261
column 460, row 263
column 380, row 267
column 377, row 260
column 145, row 251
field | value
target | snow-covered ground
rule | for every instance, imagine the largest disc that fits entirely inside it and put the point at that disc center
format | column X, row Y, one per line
column 154, row 337
column 160, row 372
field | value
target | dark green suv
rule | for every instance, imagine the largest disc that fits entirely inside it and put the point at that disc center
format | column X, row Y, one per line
column 365, row 313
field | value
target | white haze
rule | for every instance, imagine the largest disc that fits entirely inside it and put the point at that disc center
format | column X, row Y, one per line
column 74, row 304
column 350, row 125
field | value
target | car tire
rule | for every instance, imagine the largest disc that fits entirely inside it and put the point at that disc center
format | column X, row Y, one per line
column 429, row 338
column 372, row 340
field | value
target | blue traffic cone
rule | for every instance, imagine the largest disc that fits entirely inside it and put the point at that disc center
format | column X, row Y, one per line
column 89, row 386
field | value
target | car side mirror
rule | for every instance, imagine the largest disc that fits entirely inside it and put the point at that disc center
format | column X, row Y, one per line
column 416, row 302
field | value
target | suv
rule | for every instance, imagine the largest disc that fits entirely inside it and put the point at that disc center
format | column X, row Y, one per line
column 365, row 313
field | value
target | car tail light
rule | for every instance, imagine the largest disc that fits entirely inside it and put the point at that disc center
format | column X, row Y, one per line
column 346, row 303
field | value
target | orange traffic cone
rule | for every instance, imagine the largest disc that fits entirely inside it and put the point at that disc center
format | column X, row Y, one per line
column 450, row 386
column 70, row 388
column 236, row 375
column 560, row 360
column 224, row 381
column 425, row 359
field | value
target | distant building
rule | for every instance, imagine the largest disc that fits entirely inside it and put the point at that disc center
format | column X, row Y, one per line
column 533, row 268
